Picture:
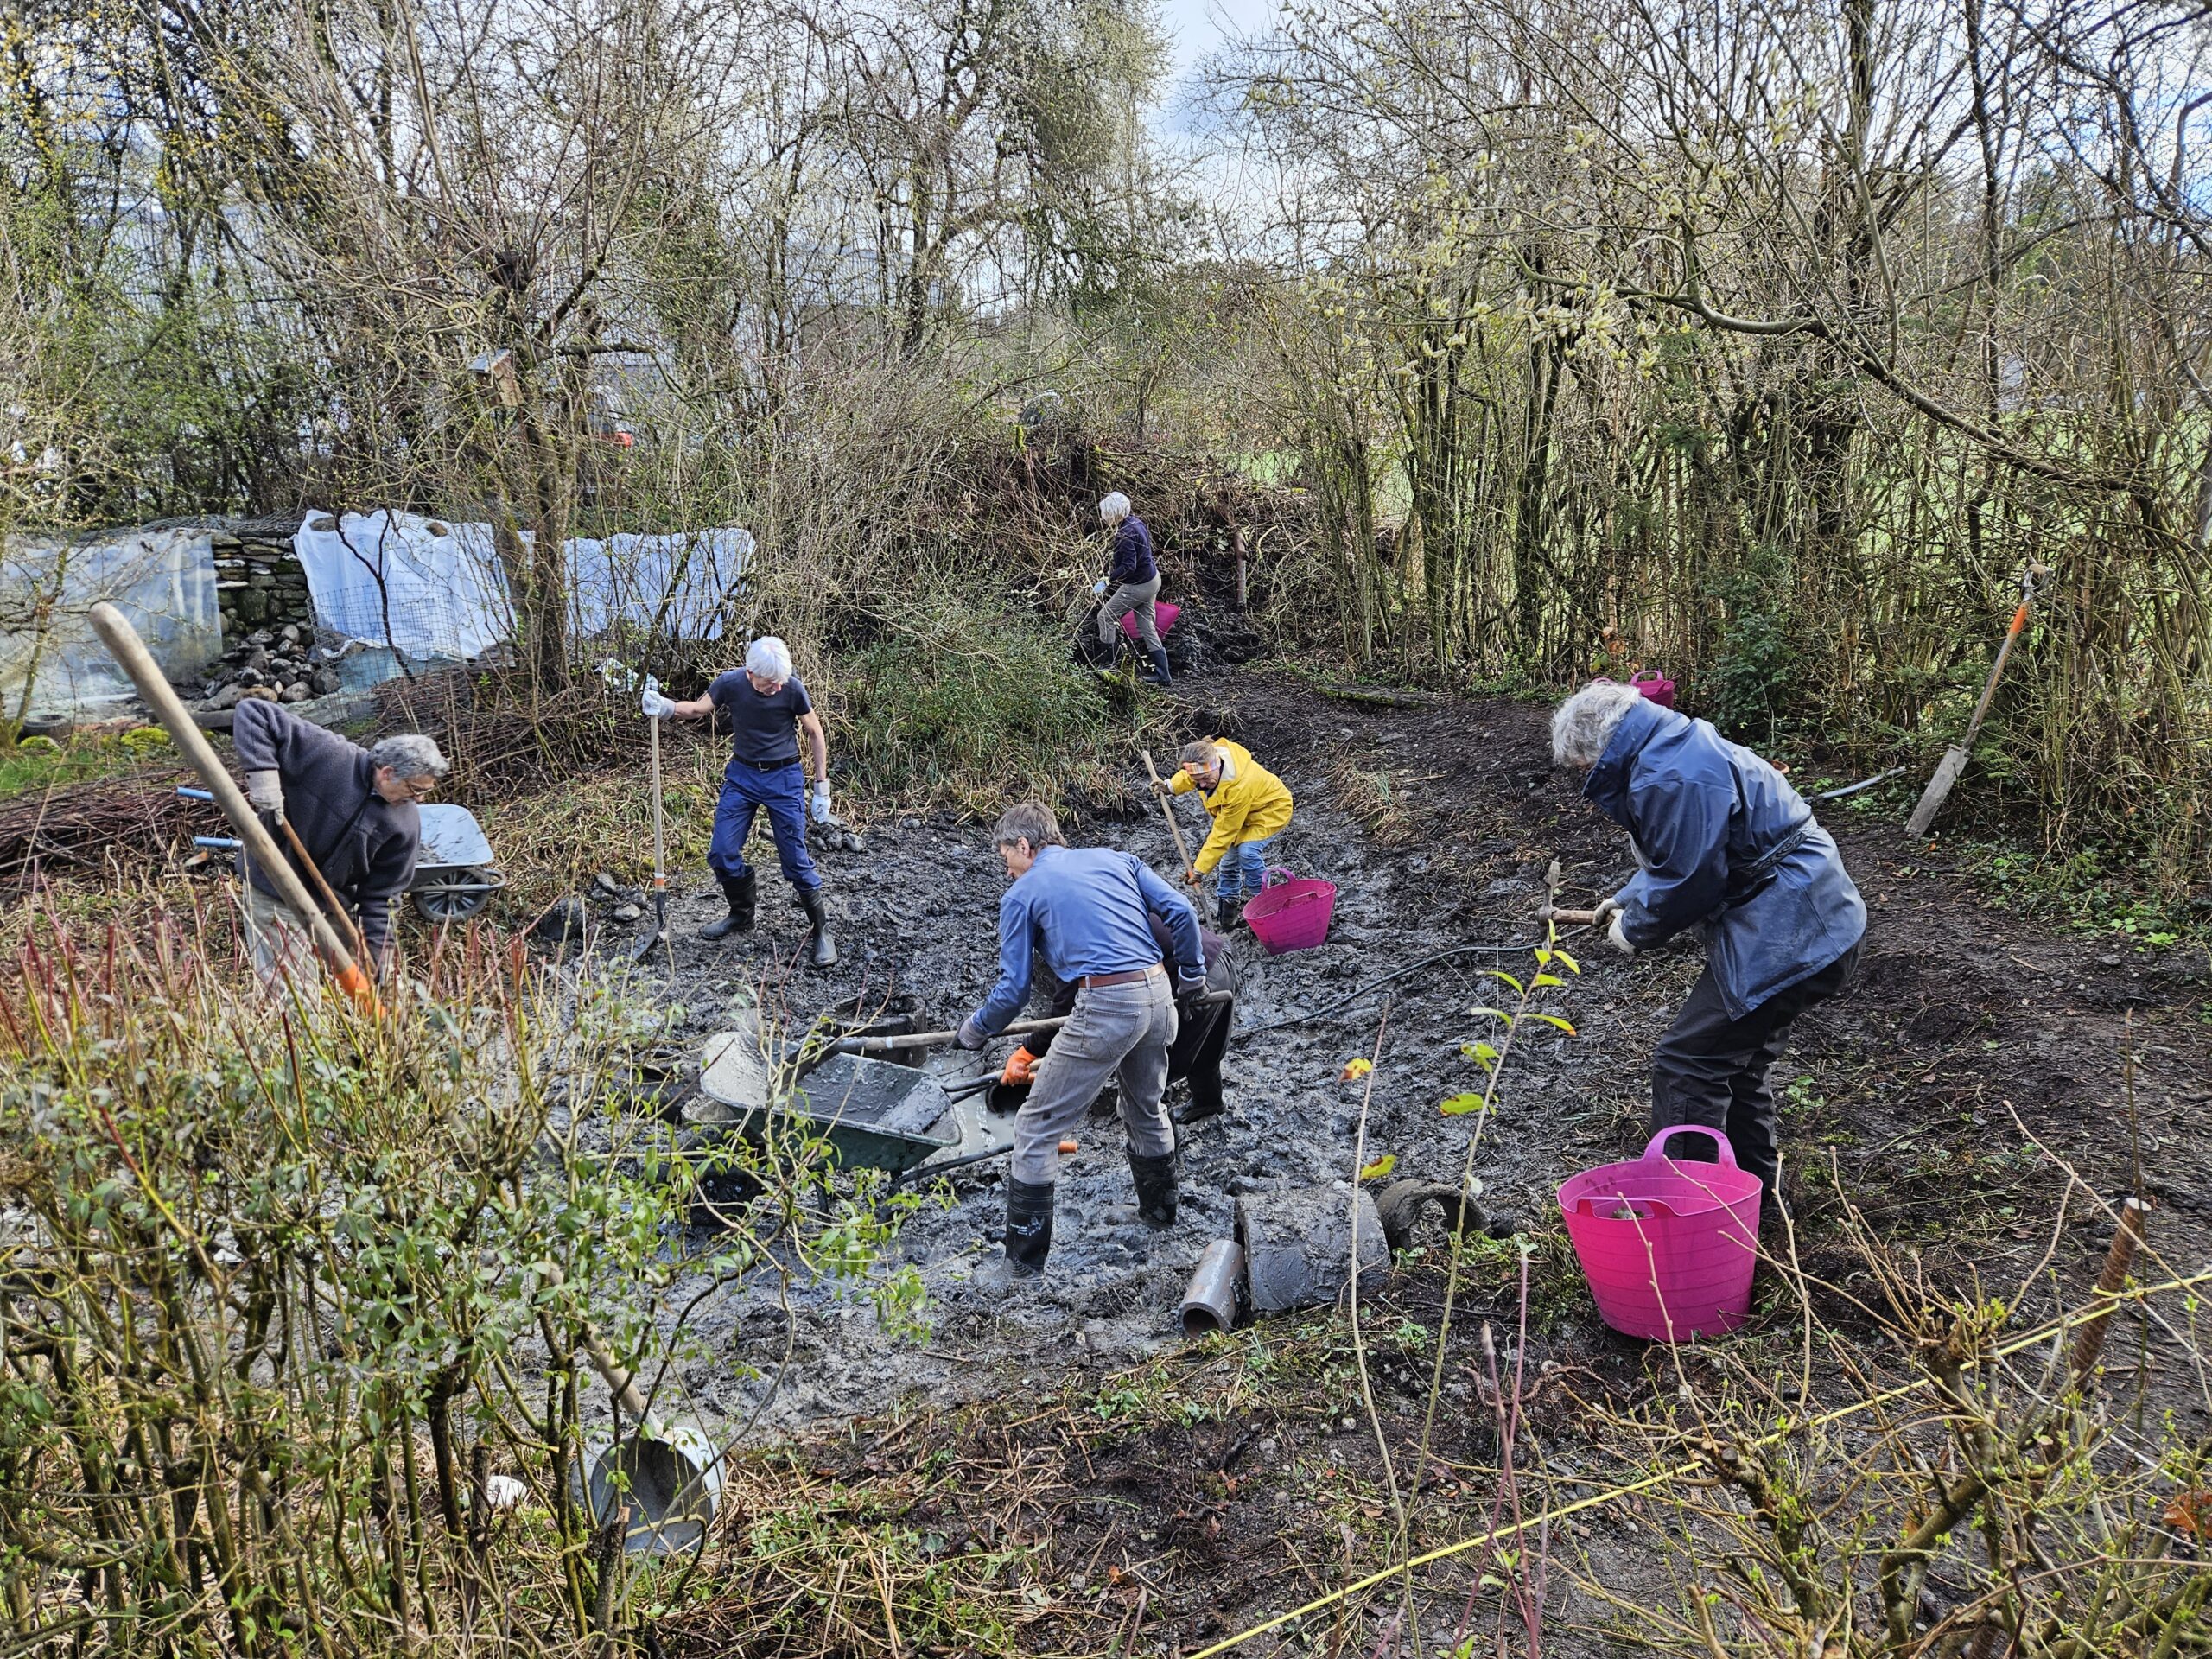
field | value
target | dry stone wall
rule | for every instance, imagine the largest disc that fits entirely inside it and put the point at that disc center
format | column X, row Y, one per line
column 258, row 581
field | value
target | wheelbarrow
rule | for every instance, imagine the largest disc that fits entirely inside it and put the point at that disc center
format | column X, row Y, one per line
column 873, row 1114
column 454, row 876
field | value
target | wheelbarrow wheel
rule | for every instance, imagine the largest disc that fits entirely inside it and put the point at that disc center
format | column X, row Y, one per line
column 457, row 897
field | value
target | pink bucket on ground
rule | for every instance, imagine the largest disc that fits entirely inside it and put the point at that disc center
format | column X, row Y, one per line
column 1291, row 914
column 1653, row 685
column 1163, row 618
column 1668, row 1245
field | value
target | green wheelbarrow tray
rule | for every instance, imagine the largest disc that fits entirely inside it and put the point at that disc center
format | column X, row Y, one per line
column 873, row 1115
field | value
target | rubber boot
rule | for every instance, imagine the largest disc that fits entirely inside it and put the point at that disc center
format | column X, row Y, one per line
column 1205, row 1099
column 742, row 892
column 1160, row 676
column 1154, row 1180
column 822, row 949
column 1229, row 910
column 1028, row 1239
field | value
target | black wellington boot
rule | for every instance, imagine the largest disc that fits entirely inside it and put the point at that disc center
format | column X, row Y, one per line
column 1028, row 1239
column 1154, row 1178
column 1160, row 675
column 822, row 949
column 742, row 893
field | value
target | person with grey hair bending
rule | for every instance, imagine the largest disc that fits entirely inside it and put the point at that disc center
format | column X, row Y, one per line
column 1087, row 911
column 354, row 811
column 768, row 711
column 1134, row 576
column 1724, row 846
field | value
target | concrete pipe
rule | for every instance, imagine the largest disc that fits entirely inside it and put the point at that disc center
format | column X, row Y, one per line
column 1297, row 1246
column 1209, row 1299
column 669, row 1477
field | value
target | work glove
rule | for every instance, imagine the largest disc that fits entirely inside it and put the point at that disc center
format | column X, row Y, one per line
column 656, row 706
column 265, row 791
column 1188, row 986
column 1616, row 935
column 820, row 800
column 1020, row 1067
column 1606, row 910
column 1098, row 587
column 970, row 1035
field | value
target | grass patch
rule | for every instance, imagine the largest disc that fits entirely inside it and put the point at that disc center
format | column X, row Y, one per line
column 38, row 764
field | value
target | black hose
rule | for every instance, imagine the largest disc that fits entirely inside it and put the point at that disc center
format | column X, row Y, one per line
column 1355, row 999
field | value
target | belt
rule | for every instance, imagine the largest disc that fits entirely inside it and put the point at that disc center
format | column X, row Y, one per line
column 1097, row 982
column 762, row 765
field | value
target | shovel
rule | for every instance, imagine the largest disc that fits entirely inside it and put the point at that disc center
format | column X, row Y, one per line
column 1954, row 759
column 659, row 935
column 1167, row 810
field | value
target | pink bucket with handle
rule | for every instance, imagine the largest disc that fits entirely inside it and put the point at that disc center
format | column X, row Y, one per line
column 1291, row 913
column 1163, row 618
column 1667, row 1245
column 1654, row 685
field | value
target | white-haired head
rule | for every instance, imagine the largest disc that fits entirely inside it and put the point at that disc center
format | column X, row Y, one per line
column 1113, row 509
column 409, row 755
column 769, row 657
column 1583, row 725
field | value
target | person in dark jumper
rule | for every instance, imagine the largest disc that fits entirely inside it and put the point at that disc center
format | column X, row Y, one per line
column 353, row 810
column 767, row 708
column 1724, row 846
column 1133, row 576
column 1201, row 1034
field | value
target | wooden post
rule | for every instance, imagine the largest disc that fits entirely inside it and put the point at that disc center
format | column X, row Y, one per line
column 122, row 642
column 2090, row 1343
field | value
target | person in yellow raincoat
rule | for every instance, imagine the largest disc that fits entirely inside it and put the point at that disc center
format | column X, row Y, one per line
column 1250, row 806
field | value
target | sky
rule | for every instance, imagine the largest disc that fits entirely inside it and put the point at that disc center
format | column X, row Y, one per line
column 1197, row 28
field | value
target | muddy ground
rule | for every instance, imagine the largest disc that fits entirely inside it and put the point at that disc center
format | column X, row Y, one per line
column 1944, row 1098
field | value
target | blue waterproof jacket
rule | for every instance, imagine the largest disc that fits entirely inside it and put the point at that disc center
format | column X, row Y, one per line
column 1727, row 846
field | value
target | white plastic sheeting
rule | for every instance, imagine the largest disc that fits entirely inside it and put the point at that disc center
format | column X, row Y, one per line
column 428, row 588
column 423, row 586
column 163, row 580
column 672, row 585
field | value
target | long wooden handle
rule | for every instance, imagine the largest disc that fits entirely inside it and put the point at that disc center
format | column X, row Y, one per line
column 939, row 1038
column 660, row 858
column 1167, row 810
column 129, row 650
column 333, row 906
column 1989, row 690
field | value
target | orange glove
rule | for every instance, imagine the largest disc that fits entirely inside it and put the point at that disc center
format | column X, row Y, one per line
column 1020, row 1067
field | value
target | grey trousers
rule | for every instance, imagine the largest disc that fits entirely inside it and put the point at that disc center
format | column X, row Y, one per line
column 1132, row 598
column 283, row 949
column 1116, row 1031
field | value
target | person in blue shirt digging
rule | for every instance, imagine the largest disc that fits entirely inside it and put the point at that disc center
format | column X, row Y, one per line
column 1724, row 846
column 1087, row 911
column 767, row 708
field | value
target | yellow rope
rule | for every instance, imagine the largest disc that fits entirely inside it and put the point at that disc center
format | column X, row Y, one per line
column 2102, row 1307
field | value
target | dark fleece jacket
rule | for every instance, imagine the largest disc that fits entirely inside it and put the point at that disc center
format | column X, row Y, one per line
column 364, row 845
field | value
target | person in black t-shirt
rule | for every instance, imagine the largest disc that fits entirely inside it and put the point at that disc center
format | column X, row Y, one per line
column 767, row 708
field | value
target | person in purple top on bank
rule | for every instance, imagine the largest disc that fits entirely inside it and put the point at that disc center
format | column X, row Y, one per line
column 1134, row 578
column 767, row 708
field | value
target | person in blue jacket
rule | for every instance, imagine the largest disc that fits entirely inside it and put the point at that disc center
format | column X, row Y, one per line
column 1725, row 846
column 1086, row 911
column 1133, row 576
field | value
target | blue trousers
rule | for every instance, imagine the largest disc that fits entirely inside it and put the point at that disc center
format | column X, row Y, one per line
column 746, row 792
column 1242, row 869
